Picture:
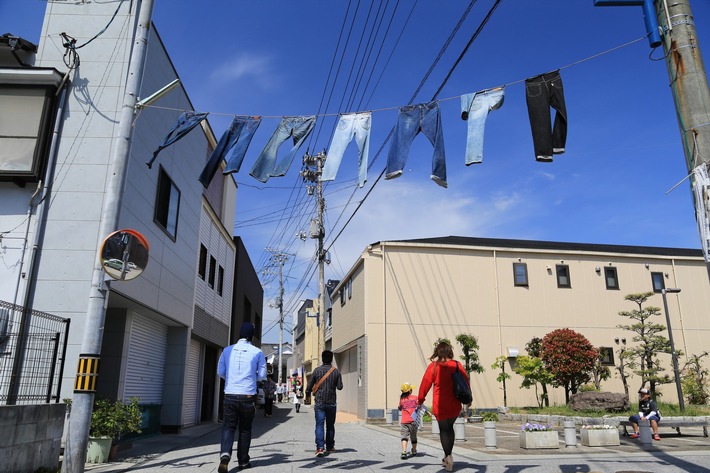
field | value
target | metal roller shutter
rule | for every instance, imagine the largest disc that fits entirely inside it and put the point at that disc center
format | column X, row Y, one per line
column 190, row 406
column 145, row 366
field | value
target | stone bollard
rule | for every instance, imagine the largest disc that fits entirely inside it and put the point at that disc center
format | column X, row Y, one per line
column 434, row 426
column 388, row 417
column 570, row 434
column 645, row 432
column 489, row 435
column 460, row 429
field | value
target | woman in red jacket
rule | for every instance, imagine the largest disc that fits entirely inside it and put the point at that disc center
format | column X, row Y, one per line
column 446, row 407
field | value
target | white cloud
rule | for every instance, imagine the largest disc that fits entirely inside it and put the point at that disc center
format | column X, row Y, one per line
column 244, row 66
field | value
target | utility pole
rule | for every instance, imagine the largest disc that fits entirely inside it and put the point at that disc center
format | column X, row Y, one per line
column 688, row 82
column 318, row 231
column 82, row 400
column 280, row 259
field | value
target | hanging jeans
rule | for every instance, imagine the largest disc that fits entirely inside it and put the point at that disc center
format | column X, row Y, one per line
column 237, row 136
column 542, row 92
column 411, row 120
column 186, row 122
column 351, row 125
column 475, row 108
column 266, row 165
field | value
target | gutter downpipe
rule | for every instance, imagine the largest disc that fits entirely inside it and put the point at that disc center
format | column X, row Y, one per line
column 384, row 313
column 500, row 333
column 40, row 206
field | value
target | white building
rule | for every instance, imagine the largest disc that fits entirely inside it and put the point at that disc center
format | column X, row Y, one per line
column 164, row 329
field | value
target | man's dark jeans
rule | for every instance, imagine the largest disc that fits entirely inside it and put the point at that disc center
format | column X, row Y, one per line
column 325, row 414
column 238, row 414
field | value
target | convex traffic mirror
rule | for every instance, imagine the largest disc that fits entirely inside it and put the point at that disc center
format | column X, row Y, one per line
column 124, row 254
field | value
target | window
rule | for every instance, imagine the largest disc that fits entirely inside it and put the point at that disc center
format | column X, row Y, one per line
column 612, row 281
column 350, row 288
column 658, row 282
column 29, row 100
column 167, row 204
column 342, row 296
column 520, row 274
column 563, row 275
column 213, row 267
column 606, row 356
column 202, row 268
column 220, row 280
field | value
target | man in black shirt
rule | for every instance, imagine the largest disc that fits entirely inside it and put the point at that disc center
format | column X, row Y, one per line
column 323, row 383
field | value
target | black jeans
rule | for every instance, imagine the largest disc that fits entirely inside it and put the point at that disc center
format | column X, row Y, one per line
column 268, row 406
column 541, row 93
column 238, row 414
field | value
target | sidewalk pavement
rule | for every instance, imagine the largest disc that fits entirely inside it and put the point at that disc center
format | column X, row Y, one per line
column 285, row 443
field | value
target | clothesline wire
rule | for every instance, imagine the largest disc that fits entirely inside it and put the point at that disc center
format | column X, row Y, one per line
column 383, row 109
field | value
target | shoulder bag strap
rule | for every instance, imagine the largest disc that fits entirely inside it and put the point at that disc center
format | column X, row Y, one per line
column 320, row 381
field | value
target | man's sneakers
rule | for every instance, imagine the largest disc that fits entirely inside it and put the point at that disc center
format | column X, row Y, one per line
column 244, row 466
column 223, row 465
column 635, row 435
column 414, row 452
column 404, row 455
column 656, row 437
column 319, row 453
column 330, row 450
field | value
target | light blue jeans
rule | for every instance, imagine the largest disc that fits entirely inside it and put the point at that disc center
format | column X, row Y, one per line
column 475, row 108
column 266, row 165
column 424, row 117
column 351, row 125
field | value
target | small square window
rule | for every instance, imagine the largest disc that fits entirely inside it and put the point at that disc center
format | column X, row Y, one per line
column 202, row 268
column 563, row 279
column 520, row 274
column 213, row 269
column 612, row 280
column 220, row 280
column 658, row 282
column 167, row 204
column 606, row 356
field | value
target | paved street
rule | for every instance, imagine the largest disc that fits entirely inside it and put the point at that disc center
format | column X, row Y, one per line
column 285, row 443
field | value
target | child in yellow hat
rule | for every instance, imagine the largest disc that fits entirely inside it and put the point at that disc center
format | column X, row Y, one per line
column 408, row 427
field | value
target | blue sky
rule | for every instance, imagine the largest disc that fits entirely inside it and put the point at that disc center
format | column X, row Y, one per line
column 273, row 58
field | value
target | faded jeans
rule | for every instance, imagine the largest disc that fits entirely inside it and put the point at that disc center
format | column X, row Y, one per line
column 412, row 119
column 325, row 414
column 238, row 414
column 353, row 124
column 266, row 164
column 541, row 93
column 237, row 136
column 475, row 108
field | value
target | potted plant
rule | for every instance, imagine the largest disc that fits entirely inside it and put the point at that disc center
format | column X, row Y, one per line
column 599, row 435
column 534, row 435
column 110, row 420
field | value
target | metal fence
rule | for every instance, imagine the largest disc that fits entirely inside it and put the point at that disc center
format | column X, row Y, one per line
column 32, row 353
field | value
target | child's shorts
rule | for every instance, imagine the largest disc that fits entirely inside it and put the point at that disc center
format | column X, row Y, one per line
column 409, row 431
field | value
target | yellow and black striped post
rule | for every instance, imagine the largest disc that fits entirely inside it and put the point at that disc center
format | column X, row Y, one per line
column 87, row 373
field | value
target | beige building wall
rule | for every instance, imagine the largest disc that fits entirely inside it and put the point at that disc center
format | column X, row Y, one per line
column 406, row 295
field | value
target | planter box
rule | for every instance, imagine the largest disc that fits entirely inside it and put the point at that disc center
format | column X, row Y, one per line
column 599, row 437
column 542, row 439
column 98, row 449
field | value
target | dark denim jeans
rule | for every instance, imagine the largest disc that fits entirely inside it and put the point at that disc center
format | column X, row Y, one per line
column 541, row 93
column 186, row 122
column 238, row 414
column 237, row 136
column 325, row 414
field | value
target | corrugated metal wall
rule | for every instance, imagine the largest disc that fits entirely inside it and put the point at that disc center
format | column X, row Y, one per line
column 190, row 406
column 145, row 366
